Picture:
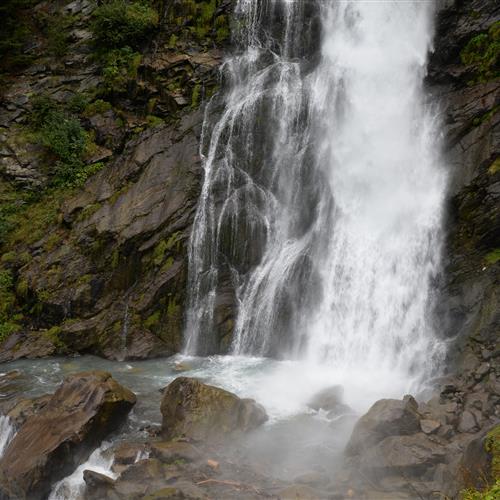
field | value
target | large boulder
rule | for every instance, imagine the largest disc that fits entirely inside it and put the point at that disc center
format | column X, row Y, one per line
column 387, row 417
column 202, row 412
column 407, row 456
column 327, row 399
column 54, row 441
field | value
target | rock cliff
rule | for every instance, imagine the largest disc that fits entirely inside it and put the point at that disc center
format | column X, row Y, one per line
column 94, row 246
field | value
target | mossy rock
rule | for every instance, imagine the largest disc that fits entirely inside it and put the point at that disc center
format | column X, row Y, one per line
column 203, row 412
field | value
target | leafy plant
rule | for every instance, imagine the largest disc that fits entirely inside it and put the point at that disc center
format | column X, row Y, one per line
column 483, row 52
column 119, row 68
column 118, row 23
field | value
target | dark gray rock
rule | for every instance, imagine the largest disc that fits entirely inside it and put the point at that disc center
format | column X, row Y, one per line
column 62, row 434
column 387, row 417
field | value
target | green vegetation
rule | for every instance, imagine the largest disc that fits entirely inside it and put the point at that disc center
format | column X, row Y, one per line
column 198, row 19
column 120, row 28
column 14, row 33
column 492, row 446
column 119, row 67
column 494, row 167
column 483, row 53
column 493, row 257
column 61, row 133
column 152, row 320
column 96, row 108
column 118, row 24
column 57, row 32
column 8, row 322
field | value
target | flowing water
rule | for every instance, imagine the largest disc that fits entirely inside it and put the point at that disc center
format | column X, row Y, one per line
column 322, row 201
column 317, row 235
column 7, row 432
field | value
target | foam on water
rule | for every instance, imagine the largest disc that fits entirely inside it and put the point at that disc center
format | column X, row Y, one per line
column 73, row 486
column 322, row 203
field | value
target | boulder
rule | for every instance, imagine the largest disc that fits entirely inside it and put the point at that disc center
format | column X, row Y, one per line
column 171, row 451
column 54, row 441
column 201, row 412
column 407, row 456
column 328, row 399
column 387, row 417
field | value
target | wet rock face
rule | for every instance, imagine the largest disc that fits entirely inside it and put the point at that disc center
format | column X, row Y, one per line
column 107, row 274
column 202, row 412
column 469, row 94
column 387, row 417
column 62, row 434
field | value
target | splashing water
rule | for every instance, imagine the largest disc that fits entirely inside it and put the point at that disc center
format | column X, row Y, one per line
column 7, row 433
column 73, row 486
column 321, row 208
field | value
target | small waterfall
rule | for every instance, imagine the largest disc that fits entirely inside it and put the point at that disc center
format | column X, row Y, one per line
column 7, row 433
column 319, row 219
column 73, row 486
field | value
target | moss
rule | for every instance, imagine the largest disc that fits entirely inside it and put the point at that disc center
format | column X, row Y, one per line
column 173, row 309
column 154, row 121
column 196, row 96
column 492, row 445
column 54, row 335
column 493, row 257
column 494, row 168
column 97, row 107
column 152, row 320
column 172, row 41
column 492, row 492
column 22, row 288
column 159, row 252
column 115, row 258
column 52, row 241
column 167, row 264
column 482, row 52
column 31, row 223
column 88, row 211
column 174, row 241
column 485, row 116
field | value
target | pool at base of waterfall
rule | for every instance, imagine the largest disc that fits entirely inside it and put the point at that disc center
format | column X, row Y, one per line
column 297, row 438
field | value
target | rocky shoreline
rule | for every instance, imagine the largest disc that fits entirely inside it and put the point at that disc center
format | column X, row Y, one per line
column 399, row 449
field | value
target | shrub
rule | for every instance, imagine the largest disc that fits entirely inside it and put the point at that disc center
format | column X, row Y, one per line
column 64, row 137
column 14, row 33
column 483, row 52
column 119, row 68
column 118, row 23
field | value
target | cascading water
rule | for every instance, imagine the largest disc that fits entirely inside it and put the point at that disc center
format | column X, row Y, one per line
column 319, row 219
column 7, row 433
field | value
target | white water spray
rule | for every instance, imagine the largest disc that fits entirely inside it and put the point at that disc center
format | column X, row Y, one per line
column 7, row 433
column 323, row 192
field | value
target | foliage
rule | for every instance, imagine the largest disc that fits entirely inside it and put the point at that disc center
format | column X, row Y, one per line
column 154, row 121
column 60, row 131
column 493, row 257
column 14, row 33
column 96, row 108
column 492, row 446
column 57, row 33
column 492, row 493
column 118, row 23
column 483, row 52
column 119, row 67
column 7, row 302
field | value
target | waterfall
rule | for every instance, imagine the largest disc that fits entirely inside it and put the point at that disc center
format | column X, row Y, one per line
column 320, row 213
column 7, row 433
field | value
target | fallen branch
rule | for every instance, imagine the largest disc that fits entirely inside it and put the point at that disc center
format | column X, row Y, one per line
column 221, row 481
